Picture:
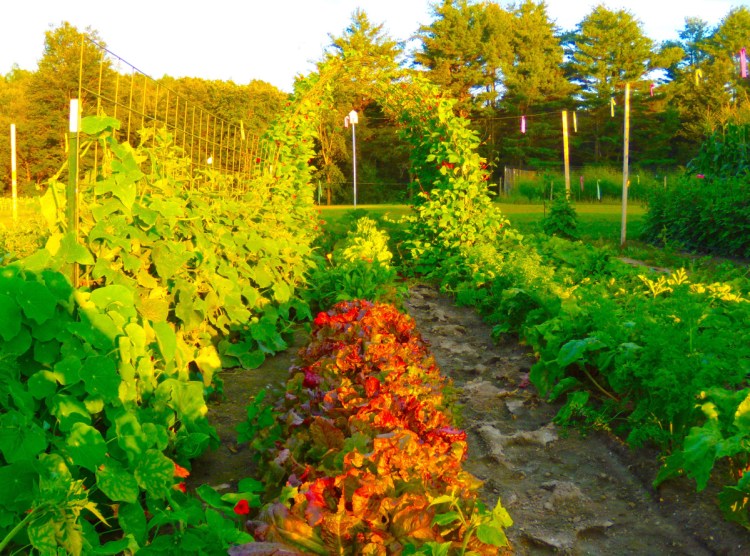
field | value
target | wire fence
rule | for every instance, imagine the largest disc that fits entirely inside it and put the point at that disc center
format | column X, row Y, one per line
column 111, row 86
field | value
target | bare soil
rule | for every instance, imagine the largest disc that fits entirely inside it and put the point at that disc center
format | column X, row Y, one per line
column 568, row 493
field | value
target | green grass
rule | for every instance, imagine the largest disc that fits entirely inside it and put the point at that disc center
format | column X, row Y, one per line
column 597, row 222
column 336, row 214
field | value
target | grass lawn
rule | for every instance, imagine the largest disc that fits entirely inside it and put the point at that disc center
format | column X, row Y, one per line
column 336, row 213
column 596, row 221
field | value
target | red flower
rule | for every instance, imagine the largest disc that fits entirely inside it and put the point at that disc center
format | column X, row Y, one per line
column 242, row 507
column 180, row 471
column 180, row 486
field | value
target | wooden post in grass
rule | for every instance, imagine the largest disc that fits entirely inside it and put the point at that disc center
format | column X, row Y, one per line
column 13, row 172
column 566, row 152
column 625, row 156
column 71, row 197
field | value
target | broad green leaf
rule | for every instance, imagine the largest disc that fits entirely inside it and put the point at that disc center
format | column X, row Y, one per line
column 742, row 416
column 186, row 398
column 104, row 211
column 167, row 261
column 490, row 534
column 574, row 350
column 281, row 292
column 73, row 252
column 565, row 385
column 10, row 317
column 166, row 339
column 126, row 190
column 96, row 329
column 262, row 276
column 100, row 375
column 156, row 435
column 69, row 410
column 245, row 352
column 20, row 438
column 116, row 483
column 68, row 370
column 86, row 447
column 112, row 297
column 132, row 519
column 155, row 473
column 39, row 261
column 18, row 482
column 46, row 352
column 208, row 362
column 42, row 384
column 57, row 283
column 153, row 309
column 55, row 328
column 43, row 534
column 36, row 301
column 94, row 125
column 699, row 453
column 130, row 435
column 192, row 445
column 251, row 485
column 446, row 518
column 17, row 345
column 211, row 497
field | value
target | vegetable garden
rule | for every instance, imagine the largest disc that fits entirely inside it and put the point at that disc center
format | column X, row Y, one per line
column 106, row 384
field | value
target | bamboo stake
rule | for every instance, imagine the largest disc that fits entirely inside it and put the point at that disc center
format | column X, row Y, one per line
column 71, row 207
column 566, row 152
column 13, row 172
column 625, row 164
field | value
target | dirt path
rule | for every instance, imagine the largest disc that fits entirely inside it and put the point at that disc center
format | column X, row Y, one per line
column 567, row 494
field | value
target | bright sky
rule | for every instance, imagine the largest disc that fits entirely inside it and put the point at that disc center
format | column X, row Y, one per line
column 271, row 40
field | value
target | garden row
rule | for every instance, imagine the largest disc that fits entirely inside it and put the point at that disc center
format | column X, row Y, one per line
column 656, row 359
column 365, row 447
column 105, row 386
column 709, row 211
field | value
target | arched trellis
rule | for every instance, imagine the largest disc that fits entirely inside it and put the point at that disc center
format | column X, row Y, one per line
column 454, row 208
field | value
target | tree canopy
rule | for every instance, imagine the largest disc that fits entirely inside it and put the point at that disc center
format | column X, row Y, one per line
column 501, row 63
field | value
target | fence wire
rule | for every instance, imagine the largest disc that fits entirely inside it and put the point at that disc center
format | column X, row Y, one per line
column 111, row 86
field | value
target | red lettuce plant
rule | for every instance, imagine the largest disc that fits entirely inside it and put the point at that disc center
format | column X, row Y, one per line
column 371, row 460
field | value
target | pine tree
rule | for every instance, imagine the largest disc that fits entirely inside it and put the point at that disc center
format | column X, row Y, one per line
column 609, row 49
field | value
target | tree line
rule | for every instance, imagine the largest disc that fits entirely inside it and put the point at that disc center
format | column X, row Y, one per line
column 511, row 69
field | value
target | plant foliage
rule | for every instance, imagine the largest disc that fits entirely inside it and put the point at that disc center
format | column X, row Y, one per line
column 369, row 456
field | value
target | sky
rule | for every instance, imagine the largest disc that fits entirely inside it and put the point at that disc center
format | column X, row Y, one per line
column 270, row 40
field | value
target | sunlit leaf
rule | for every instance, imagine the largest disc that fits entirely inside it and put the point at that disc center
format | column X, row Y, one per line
column 86, row 446
column 155, row 473
column 116, row 483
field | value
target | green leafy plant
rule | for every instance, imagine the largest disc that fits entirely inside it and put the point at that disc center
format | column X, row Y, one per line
column 562, row 219
column 359, row 268
column 106, row 384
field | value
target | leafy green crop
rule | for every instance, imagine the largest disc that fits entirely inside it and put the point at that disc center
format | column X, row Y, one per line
column 105, row 385
column 359, row 268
